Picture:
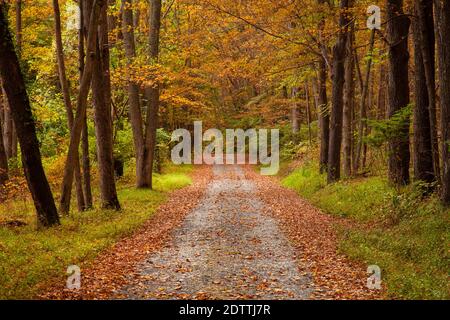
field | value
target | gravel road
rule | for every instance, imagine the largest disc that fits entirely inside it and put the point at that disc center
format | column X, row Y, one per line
column 226, row 248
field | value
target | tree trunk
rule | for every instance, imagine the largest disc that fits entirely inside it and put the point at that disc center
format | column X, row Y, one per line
column 136, row 18
column 15, row 90
column 308, row 112
column 426, row 38
column 87, row 189
column 105, row 55
column 84, row 133
column 398, row 90
column 68, row 104
column 324, row 112
column 102, row 116
column 381, row 99
column 152, row 95
column 75, row 135
column 133, row 91
column 349, row 102
column 324, row 116
column 3, row 159
column 443, row 34
column 315, row 92
column 14, row 141
column 363, row 107
column 294, row 112
column 7, row 126
column 423, row 155
column 113, row 24
column 334, row 152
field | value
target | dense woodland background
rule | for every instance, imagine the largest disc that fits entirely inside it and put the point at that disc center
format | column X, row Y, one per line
column 84, row 100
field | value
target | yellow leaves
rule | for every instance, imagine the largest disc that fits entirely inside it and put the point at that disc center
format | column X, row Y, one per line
column 180, row 101
column 142, row 74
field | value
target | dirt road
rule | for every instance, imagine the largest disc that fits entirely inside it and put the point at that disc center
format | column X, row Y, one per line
column 227, row 248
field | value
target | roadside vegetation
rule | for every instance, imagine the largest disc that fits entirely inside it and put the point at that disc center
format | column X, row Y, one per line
column 402, row 231
column 28, row 258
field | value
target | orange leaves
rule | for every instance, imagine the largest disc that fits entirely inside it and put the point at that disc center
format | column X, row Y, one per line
column 116, row 266
column 314, row 235
column 145, row 75
column 14, row 188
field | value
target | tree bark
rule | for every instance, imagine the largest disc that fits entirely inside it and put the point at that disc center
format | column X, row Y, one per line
column 152, row 94
column 349, row 105
column 423, row 155
column 3, row 159
column 105, row 55
column 294, row 112
column 324, row 116
column 75, row 135
column 14, row 86
column 315, row 92
column 68, row 104
column 101, row 92
column 338, row 78
column 398, row 90
column 19, row 26
column 324, row 112
column 308, row 112
column 443, row 34
column 363, row 106
column 87, row 191
column 426, row 39
column 381, row 98
column 19, row 37
column 7, row 126
column 135, row 113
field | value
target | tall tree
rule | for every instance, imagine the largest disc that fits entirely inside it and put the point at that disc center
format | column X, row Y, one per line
column 308, row 111
column 398, row 90
column 381, row 98
column 133, row 91
column 363, row 106
column 3, row 159
column 101, row 92
column 294, row 111
column 443, row 34
column 349, row 104
column 19, row 40
column 80, row 117
column 423, row 155
column 324, row 113
column 67, row 102
column 426, row 43
column 14, row 86
column 82, row 36
column 152, row 95
column 7, row 127
column 334, row 152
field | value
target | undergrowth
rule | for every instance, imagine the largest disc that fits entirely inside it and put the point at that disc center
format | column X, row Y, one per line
column 29, row 257
column 405, row 233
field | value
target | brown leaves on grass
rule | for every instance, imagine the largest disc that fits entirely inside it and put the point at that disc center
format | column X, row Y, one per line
column 112, row 269
column 313, row 234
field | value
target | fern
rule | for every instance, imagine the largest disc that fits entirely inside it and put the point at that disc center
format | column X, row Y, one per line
column 385, row 130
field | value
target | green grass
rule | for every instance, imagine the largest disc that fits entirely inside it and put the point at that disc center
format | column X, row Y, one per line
column 408, row 236
column 29, row 257
column 359, row 199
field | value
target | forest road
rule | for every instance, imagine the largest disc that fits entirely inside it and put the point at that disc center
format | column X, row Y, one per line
column 226, row 248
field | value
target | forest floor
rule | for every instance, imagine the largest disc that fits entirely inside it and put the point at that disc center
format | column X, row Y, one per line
column 232, row 234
